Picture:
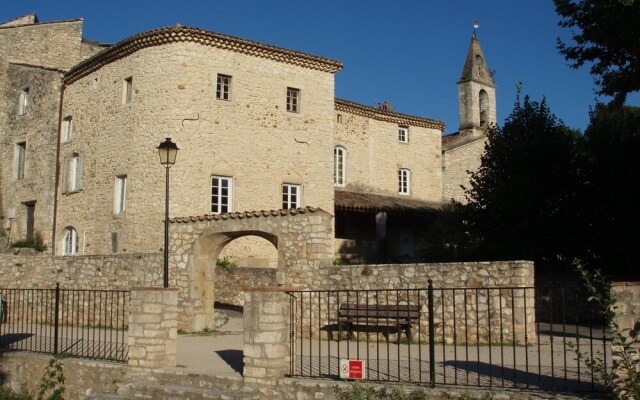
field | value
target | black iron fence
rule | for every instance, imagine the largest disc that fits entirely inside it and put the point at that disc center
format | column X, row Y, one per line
column 493, row 337
column 80, row 323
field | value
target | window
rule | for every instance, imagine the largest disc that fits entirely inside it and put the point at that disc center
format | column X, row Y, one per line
column 404, row 181
column 290, row 196
column 221, row 194
column 223, row 87
column 293, row 100
column 72, row 176
column 484, row 108
column 403, row 134
column 339, row 166
column 69, row 242
column 339, row 118
column 127, row 90
column 24, row 100
column 67, row 129
column 21, row 152
column 120, row 194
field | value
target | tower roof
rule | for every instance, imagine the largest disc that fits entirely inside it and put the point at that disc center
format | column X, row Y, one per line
column 475, row 66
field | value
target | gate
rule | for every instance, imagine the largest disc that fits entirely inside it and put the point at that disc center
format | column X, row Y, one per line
column 515, row 337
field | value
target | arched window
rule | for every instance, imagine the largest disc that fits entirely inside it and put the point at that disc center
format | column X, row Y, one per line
column 339, row 166
column 69, row 242
column 484, row 109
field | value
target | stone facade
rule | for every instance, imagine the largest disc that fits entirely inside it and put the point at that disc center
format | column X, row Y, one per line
column 374, row 153
column 33, row 59
column 457, row 162
column 626, row 355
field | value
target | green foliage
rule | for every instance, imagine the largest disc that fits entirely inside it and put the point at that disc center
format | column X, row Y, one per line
column 227, row 263
column 52, row 383
column 521, row 198
column 36, row 242
column 625, row 385
column 360, row 392
column 8, row 394
column 610, row 168
column 605, row 35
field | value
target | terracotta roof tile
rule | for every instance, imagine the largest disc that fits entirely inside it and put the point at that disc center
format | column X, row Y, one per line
column 244, row 214
column 176, row 34
column 387, row 115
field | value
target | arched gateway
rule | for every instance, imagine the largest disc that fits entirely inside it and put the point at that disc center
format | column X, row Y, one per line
column 302, row 236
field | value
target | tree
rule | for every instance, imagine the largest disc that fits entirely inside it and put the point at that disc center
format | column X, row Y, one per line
column 521, row 198
column 611, row 175
column 607, row 35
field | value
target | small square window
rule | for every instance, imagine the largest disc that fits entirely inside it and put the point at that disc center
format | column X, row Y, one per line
column 290, row 196
column 223, row 87
column 403, row 134
column 127, row 90
column 404, row 181
column 293, row 100
column 24, row 101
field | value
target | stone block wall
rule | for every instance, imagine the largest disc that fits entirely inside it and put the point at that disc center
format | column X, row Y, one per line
column 153, row 327
column 266, row 335
column 456, row 165
column 229, row 284
column 628, row 319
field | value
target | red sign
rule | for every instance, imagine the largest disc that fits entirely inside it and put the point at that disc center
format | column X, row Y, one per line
column 352, row 369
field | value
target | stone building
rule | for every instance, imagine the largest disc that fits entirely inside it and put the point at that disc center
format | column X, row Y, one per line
column 258, row 127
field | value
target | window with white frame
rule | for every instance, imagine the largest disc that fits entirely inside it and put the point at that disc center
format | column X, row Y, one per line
column 293, row 100
column 403, row 134
column 67, row 129
column 69, row 241
column 127, row 90
column 120, row 195
column 404, row 181
column 339, row 166
column 221, row 194
column 21, row 154
column 72, row 176
column 223, row 87
column 23, row 101
column 291, row 195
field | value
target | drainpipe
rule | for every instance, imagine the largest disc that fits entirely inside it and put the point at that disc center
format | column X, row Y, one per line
column 56, row 184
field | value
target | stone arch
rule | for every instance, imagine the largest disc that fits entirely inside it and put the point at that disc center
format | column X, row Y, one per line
column 303, row 238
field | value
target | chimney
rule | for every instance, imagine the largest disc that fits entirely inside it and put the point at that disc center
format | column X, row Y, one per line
column 386, row 106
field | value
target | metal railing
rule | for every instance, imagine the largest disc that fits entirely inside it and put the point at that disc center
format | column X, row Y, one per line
column 79, row 323
column 490, row 337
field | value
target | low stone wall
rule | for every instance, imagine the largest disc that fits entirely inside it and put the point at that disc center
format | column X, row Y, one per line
column 23, row 371
column 229, row 284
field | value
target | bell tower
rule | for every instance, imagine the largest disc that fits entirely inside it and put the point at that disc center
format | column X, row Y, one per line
column 476, row 92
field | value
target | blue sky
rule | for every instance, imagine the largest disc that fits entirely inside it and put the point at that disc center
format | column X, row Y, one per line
column 408, row 52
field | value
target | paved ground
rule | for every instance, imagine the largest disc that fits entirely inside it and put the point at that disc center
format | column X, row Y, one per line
column 216, row 353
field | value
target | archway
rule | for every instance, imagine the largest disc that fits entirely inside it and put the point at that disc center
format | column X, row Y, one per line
column 303, row 238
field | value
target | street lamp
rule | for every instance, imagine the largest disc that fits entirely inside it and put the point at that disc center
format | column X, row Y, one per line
column 167, row 151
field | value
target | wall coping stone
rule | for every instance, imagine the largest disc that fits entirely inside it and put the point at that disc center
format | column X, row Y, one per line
column 624, row 283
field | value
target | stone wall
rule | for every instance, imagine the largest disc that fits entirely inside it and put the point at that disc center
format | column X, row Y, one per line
column 374, row 156
column 33, row 56
column 626, row 356
column 23, row 371
column 456, row 165
column 509, row 313
column 229, row 284
column 250, row 138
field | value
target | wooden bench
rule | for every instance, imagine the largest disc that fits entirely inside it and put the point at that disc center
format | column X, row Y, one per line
column 376, row 317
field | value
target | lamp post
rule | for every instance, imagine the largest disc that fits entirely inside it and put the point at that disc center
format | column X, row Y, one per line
column 167, row 151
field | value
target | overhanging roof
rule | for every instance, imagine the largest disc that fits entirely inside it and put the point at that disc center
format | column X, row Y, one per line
column 370, row 202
